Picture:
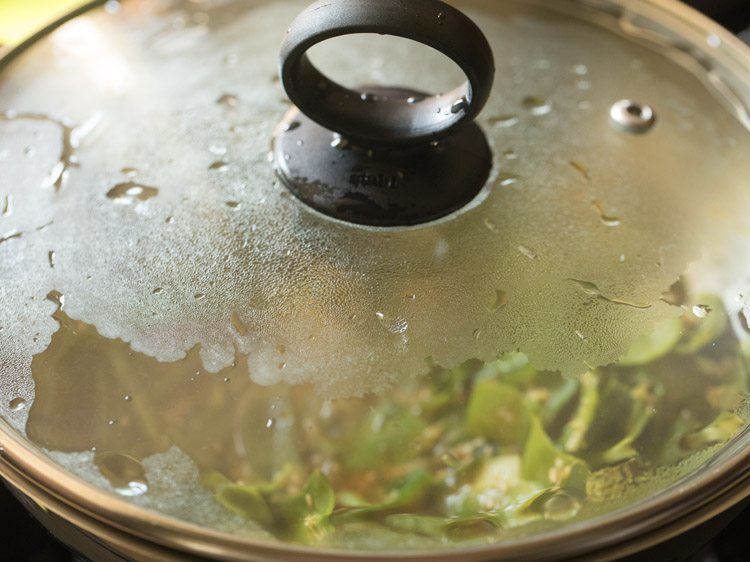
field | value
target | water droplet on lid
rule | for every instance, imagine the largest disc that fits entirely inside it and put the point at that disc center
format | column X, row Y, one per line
column 581, row 169
column 199, row 296
column 607, row 220
column 580, row 335
column 239, row 325
column 157, row 291
column 8, row 206
column 510, row 155
column 126, row 474
column 580, row 70
column 219, row 166
column 17, row 404
column 292, row 126
column 701, row 310
column 587, row 287
column 233, row 204
column 287, row 156
column 128, row 398
column 227, row 379
column 442, row 249
column 217, row 149
column 129, row 193
column 744, row 316
column 537, row 106
column 590, row 289
column 57, row 298
column 491, row 226
column 111, row 422
column 129, row 171
column 399, row 326
column 112, row 7
column 561, row 507
column 29, row 151
column 269, row 423
column 543, row 64
column 583, row 85
column 500, row 301
column 477, row 334
column 228, row 100
column 506, row 180
column 505, row 121
column 169, row 220
column 414, row 99
column 368, row 97
column 528, row 252
column 52, row 258
column 441, row 18
column 713, row 41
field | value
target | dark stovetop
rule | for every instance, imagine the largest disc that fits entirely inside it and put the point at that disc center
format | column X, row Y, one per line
column 24, row 540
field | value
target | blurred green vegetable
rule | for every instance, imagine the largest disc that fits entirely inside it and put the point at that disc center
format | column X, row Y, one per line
column 481, row 449
column 655, row 345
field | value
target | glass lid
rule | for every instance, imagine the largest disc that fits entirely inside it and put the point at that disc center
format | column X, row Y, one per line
column 187, row 324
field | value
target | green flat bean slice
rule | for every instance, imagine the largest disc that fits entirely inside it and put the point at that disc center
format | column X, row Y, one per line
column 497, row 411
column 653, row 346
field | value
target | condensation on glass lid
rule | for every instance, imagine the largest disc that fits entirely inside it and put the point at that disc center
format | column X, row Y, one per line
column 142, row 194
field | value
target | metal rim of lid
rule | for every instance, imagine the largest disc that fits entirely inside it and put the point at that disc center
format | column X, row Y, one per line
column 716, row 487
column 719, row 485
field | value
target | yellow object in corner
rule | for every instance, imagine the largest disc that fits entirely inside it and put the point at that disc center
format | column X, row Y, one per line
column 20, row 18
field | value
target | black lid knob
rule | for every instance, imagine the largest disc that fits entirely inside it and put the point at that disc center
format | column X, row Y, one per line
column 384, row 156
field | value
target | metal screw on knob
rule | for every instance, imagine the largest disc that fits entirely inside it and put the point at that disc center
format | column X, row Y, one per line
column 633, row 117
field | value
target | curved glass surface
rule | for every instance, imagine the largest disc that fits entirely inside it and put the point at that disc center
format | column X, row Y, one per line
column 178, row 330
